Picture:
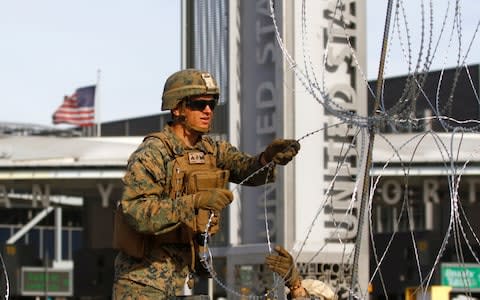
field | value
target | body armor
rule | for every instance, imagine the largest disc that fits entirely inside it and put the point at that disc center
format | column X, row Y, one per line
column 193, row 171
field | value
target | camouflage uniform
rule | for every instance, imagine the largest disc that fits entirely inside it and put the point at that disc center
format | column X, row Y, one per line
column 149, row 209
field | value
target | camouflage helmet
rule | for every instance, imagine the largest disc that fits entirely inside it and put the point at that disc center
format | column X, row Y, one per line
column 188, row 82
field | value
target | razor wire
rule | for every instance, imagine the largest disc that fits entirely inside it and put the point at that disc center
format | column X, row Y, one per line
column 5, row 274
column 413, row 88
column 207, row 258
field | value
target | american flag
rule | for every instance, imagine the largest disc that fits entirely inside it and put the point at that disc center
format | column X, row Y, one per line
column 77, row 109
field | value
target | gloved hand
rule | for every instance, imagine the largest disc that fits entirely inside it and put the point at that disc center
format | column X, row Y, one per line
column 203, row 217
column 283, row 265
column 214, row 199
column 281, row 151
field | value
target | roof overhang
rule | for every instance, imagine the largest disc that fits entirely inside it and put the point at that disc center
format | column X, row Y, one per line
column 34, row 157
column 426, row 154
column 47, row 174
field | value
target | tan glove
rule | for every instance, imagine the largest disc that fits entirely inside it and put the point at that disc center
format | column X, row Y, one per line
column 283, row 265
column 213, row 199
column 202, row 220
column 280, row 151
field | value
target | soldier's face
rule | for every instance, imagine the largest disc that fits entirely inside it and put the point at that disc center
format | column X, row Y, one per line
column 199, row 111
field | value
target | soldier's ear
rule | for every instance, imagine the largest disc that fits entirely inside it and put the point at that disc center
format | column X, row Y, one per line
column 179, row 110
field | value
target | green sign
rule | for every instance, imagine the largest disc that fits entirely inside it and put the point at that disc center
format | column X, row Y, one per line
column 461, row 277
column 46, row 281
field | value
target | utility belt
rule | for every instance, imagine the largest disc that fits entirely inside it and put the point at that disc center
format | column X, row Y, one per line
column 192, row 173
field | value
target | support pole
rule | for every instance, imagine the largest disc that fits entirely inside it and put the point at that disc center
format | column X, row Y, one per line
column 372, row 127
column 58, row 233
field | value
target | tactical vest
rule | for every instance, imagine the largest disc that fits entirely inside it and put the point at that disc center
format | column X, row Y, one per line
column 193, row 171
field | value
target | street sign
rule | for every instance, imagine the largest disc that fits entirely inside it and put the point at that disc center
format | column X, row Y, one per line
column 461, row 277
column 38, row 281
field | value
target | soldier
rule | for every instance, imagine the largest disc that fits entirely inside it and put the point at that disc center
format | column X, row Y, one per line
column 283, row 265
column 175, row 181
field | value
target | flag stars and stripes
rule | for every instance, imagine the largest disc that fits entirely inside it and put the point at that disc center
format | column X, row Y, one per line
column 78, row 109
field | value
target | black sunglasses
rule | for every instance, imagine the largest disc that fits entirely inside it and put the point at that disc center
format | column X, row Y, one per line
column 201, row 104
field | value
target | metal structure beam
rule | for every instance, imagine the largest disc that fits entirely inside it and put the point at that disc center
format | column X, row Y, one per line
column 14, row 238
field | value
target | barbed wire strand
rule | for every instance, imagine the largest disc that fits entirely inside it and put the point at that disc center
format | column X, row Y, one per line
column 7, row 283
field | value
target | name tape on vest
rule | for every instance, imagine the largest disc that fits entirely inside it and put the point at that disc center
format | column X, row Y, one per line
column 196, row 158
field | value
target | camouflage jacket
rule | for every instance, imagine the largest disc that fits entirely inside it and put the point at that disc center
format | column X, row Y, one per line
column 149, row 209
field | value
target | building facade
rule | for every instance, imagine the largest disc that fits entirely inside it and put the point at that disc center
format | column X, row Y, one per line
column 424, row 208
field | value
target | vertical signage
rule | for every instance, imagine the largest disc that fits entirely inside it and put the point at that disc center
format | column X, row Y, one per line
column 327, row 50
column 327, row 166
column 260, row 104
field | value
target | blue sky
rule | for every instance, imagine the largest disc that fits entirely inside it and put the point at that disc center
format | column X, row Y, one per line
column 48, row 48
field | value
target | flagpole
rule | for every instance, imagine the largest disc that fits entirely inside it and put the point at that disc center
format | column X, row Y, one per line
column 97, row 106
